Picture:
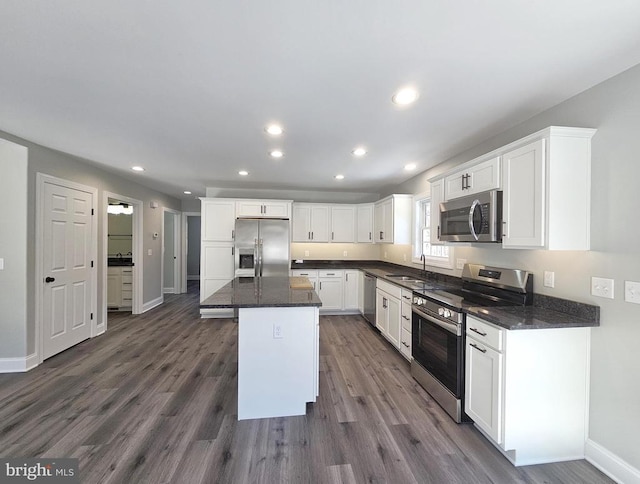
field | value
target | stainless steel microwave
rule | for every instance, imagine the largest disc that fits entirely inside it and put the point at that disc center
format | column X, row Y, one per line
column 474, row 218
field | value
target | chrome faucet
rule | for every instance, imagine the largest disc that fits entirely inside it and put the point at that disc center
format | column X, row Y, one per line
column 424, row 265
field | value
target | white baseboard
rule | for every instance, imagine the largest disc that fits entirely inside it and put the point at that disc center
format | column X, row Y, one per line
column 169, row 290
column 612, row 465
column 19, row 364
column 152, row 304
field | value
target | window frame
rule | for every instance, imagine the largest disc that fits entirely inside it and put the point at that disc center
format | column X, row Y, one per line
column 417, row 242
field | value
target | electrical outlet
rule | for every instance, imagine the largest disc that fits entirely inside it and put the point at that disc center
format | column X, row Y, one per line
column 602, row 287
column 549, row 279
column 150, row 252
column 385, row 254
column 344, row 254
column 277, row 331
column 632, row 292
column 306, row 253
column 460, row 263
column 1, row 264
column 404, row 256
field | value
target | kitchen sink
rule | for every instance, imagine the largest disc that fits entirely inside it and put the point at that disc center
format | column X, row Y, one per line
column 404, row 278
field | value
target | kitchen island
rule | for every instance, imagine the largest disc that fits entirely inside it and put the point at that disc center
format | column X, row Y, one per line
column 278, row 343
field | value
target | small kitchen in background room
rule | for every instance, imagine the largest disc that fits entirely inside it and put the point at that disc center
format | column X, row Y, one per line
column 119, row 256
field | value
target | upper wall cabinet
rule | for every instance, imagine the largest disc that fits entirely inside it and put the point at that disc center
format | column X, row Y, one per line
column 263, row 208
column 218, row 219
column 343, row 223
column 547, row 190
column 365, row 223
column 392, row 220
column 475, row 178
column 310, row 222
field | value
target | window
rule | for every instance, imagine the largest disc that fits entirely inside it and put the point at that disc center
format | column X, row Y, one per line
column 437, row 255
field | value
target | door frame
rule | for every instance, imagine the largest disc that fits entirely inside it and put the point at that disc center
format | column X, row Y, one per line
column 138, row 255
column 177, row 279
column 185, row 245
column 41, row 180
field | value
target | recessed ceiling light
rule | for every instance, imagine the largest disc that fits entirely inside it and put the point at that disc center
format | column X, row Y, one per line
column 243, row 173
column 137, row 168
column 274, row 129
column 359, row 151
column 410, row 167
column 339, row 177
column 187, row 192
column 276, row 154
column 405, row 96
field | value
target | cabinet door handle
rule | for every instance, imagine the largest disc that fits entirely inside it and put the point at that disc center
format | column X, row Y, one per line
column 381, row 237
column 331, row 273
column 405, row 344
column 233, row 234
column 477, row 331
column 477, row 347
column 233, row 251
column 321, row 285
column 308, row 235
column 438, row 232
column 406, row 297
column 405, row 317
column 346, row 277
column 369, row 235
column 331, row 235
column 312, row 235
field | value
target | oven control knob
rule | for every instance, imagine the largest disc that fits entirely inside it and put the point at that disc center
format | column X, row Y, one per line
column 446, row 313
column 440, row 311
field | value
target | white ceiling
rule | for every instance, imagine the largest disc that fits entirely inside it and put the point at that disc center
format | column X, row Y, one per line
column 185, row 88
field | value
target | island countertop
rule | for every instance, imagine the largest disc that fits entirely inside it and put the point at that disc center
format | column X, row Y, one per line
column 263, row 292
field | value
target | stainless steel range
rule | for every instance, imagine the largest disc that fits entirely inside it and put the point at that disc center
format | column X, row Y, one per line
column 438, row 328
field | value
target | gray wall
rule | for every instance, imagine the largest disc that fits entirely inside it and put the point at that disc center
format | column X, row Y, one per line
column 13, row 249
column 193, row 245
column 169, row 250
column 65, row 166
column 612, row 107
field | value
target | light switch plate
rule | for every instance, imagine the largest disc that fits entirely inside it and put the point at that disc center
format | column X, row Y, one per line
column 460, row 263
column 602, row 287
column 632, row 292
column 549, row 279
column 150, row 252
column 306, row 253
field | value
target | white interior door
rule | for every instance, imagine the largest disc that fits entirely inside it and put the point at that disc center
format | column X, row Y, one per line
column 67, row 295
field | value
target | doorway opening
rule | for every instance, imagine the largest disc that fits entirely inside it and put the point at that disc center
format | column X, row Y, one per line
column 191, row 252
column 122, row 255
column 170, row 252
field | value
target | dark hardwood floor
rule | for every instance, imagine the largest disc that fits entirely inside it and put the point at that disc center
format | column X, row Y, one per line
column 154, row 400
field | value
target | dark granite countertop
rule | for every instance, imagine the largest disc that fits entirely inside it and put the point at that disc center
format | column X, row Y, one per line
column 261, row 292
column 119, row 262
column 546, row 312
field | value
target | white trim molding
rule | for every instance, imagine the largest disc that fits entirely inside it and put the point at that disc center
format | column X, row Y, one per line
column 19, row 364
column 152, row 304
column 612, row 465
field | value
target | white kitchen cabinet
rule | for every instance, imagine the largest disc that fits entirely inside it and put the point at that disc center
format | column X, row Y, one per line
column 311, row 274
column 351, row 289
column 119, row 287
column 216, row 267
column 364, row 223
column 437, row 196
column 389, row 311
column 473, row 178
column 263, row 208
column 527, row 390
column 361, row 292
column 331, row 290
column 114, row 287
column 405, row 332
column 547, row 190
column 343, row 223
column 218, row 219
column 392, row 220
column 310, row 222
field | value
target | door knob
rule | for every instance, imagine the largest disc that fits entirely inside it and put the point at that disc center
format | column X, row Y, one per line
column 49, row 279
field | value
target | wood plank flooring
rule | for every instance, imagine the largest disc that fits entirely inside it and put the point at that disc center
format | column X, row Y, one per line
column 154, row 400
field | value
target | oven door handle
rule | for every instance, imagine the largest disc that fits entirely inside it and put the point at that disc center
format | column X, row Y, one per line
column 450, row 327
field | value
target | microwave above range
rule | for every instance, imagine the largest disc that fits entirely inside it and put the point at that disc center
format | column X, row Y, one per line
column 475, row 218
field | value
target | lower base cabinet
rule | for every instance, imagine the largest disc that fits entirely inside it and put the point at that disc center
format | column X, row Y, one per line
column 388, row 311
column 119, row 287
column 526, row 390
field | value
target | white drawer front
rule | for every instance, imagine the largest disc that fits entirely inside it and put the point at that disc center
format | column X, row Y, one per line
column 336, row 273
column 486, row 333
column 389, row 288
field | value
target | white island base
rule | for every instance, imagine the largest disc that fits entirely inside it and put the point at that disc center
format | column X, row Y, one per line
column 278, row 361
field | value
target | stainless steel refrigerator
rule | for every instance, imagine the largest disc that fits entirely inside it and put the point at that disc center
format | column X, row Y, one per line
column 262, row 247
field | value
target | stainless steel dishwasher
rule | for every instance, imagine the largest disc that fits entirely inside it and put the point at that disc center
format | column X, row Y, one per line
column 370, row 299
